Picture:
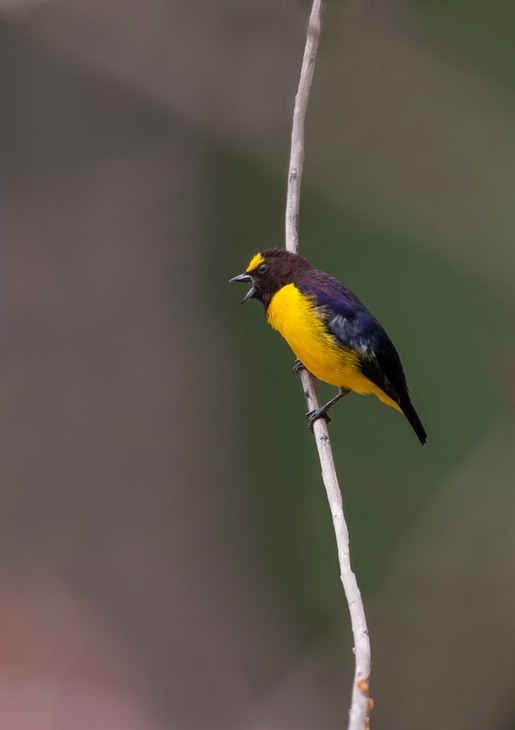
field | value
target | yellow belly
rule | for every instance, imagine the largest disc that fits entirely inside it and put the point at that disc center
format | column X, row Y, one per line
column 291, row 314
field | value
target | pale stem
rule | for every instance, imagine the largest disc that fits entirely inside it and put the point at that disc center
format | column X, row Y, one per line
column 360, row 708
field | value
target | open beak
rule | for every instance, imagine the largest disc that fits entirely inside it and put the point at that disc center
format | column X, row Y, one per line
column 251, row 291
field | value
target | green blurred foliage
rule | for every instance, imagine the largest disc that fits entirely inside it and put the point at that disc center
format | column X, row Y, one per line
column 484, row 31
column 445, row 333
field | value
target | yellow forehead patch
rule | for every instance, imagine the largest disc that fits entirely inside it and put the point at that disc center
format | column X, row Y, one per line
column 257, row 259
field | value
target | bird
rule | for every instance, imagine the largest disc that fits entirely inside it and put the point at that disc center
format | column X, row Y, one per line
column 331, row 332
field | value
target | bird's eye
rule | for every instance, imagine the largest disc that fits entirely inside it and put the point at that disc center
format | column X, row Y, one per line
column 262, row 268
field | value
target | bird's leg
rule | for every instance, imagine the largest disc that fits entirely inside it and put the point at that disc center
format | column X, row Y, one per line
column 297, row 367
column 313, row 416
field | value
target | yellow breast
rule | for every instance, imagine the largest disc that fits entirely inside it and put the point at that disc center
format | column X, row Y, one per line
column 295, row 317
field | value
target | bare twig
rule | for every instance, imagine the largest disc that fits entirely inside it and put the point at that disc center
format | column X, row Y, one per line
column 361, row 703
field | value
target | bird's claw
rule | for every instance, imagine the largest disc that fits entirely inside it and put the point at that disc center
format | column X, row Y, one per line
column 297, row 367
column 313, row 416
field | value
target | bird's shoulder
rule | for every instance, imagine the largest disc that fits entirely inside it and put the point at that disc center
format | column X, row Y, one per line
column 344, row 314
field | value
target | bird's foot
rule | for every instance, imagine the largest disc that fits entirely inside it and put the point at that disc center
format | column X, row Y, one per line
column 297, row 367
column 313, row 416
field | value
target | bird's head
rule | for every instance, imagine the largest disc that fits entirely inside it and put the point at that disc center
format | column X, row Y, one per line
column 269, row 271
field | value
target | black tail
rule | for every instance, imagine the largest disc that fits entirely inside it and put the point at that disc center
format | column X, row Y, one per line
column 414, row 420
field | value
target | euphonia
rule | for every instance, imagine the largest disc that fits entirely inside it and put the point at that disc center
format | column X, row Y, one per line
column 330, row 330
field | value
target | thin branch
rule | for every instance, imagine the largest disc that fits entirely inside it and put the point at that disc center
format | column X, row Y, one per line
column 360, row 703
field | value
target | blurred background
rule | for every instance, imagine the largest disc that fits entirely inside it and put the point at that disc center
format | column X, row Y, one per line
column 167, row 558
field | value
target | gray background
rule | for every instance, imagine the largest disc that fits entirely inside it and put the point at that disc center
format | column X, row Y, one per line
column 167, row 557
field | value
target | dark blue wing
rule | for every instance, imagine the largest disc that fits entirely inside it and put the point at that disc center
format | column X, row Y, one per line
column 355, row 328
